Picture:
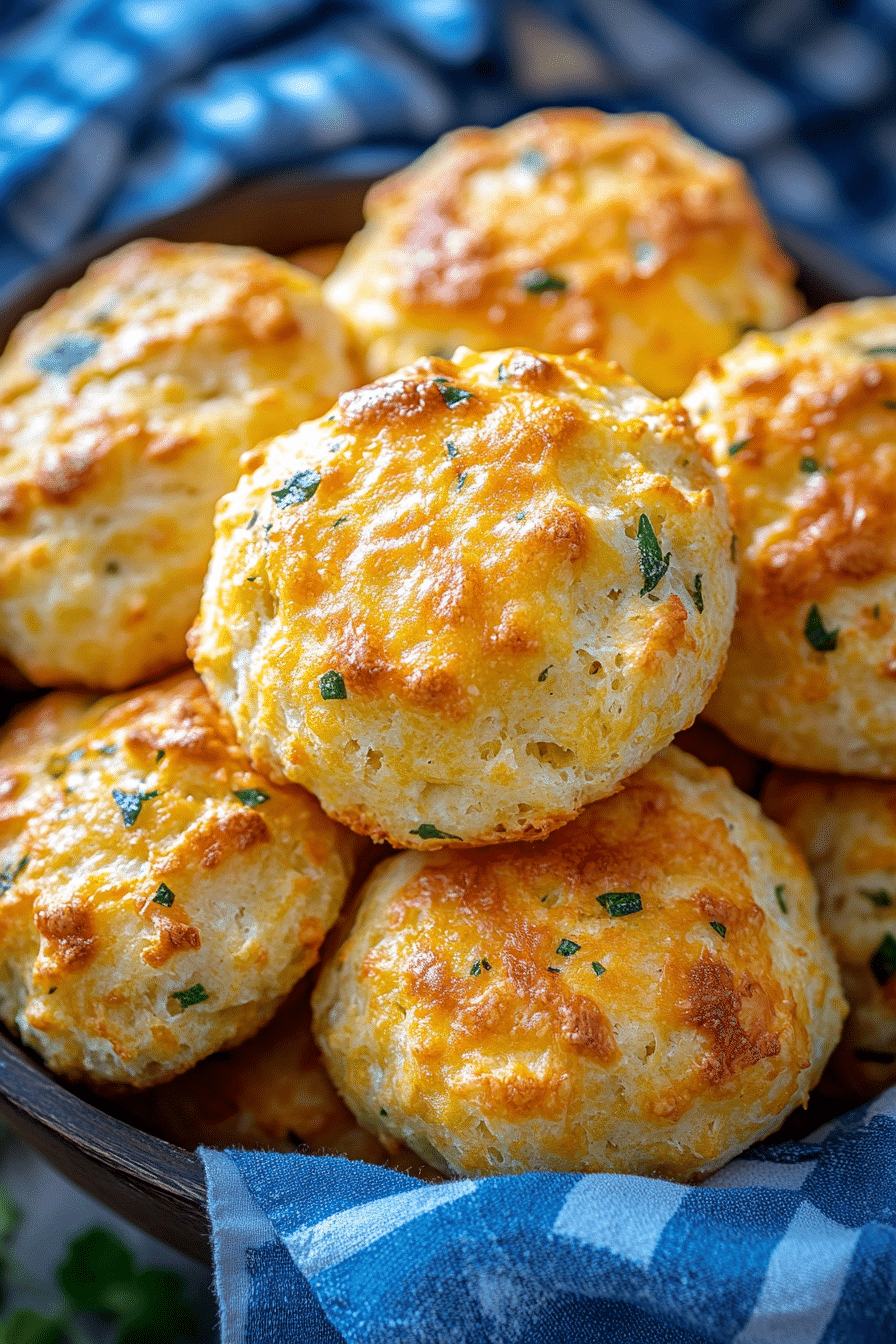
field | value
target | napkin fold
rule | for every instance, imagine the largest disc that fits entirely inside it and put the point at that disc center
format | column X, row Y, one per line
column 116, row 111
column 794, row 1243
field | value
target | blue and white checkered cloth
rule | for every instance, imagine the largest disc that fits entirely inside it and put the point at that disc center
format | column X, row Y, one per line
column 794, row 1243
column 113, row 111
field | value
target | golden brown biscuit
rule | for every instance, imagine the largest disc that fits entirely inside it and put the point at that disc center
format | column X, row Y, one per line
column 270, row 1092
column 125, row 404
column 472, row 598
column 802, row 426
column 847, row 830
column 645, row 991
column 158, row 897
column 564, row 229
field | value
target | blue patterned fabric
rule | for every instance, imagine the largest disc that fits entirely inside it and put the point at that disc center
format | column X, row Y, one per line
column 112, row 111
column 795, row 1243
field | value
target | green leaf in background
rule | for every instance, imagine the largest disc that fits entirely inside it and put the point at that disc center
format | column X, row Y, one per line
column 29, row 1327
column 147, row 1306
column 95, row 1262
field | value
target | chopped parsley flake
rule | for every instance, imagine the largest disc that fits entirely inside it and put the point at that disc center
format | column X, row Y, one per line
column 9, row 874
column 650, row 556
column 252, row 521
column 883, row 963
column 461, row 481
column 110, row 749
column 67, row 354
column 486, row 965
column 131, row 803
column 866, row 1056
column 251, row 797
column 187, row 997
column 719, row 928
column 251, row 578
column 426, row 831
column 597, row 968
column 521, row 515
column 881, row 350
column 808, row 464
column 543, row 676
column 779, row 897
column 450, row 448
column 567, row 948
column 879, row 897
column 451, row 395
column 298, row 489
column 698, row 592
column 340, row 521
column 540, row 281
column 383, row 1111
column 876, row 612
column 554, row 970
column 825, row 641
column 332, row 686
column 618, row 903
column 734, row 448
column 164, row 895
column 476, row 968
column 160, row 754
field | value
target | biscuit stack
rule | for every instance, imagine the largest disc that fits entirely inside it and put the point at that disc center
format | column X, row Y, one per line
column 467, row 608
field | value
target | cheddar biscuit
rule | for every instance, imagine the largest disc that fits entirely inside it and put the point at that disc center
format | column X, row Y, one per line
column 567, row 228
column 847, row 830
column 158, row 897
column 472, row 598
column 802, row 427
column 645, row 991
column 125, row 404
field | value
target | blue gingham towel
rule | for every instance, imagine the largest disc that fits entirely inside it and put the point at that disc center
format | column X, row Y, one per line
column 114, row 111
column 795, row 1243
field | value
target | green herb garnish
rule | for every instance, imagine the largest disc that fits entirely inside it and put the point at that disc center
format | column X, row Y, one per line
column 251, row 797
column 881, row 350
column 253, row 520
column 618, row 903
column 187, row 997
column 543, row 676
column 883, row 963
column 876, row 611
column 476, row 968
column 520, row 516
column 597, row 968
column 9, row 874
column 451, row 395
column 698, row 592
column 160, row 754
column 719, row 928
column 825, row 641
column 340, row 521
column 567, row 948
column 383, row 1111
column 131, row 803
column 879, row 897
column 540, row 281
column 461, row 481
column 866, row 1056
column 426, row 831
column 808, row 464
column 779, row 897
column 298, row 489
column 332, row 686
column 554, row 970
column 650, row 556
column 734, row 448
column 110, row 749
column 164, row 895
column 67, row 354
column 450, row 448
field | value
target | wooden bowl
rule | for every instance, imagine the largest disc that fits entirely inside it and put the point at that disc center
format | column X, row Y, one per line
column 155, row 1184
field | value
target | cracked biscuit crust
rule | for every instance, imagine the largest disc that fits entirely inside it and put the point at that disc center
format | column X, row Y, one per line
column 564, row 229
column 645, row 991
column 125, row 404
column 472, row 598
column 158, row 897
column 802, row 427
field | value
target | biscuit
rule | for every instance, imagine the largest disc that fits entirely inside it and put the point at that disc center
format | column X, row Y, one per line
column 472, row 598
column 847, row 830
column 802, row 426
column 158, row 897
column 645, row 991
column 125, row 404
column 271, row 1092
column 565, row 229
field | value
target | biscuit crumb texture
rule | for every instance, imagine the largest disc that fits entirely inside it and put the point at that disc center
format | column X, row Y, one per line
column 802, row 428
column 472, row 598
column 158, row 897
column 564, row 229
column 125, row 404
column 629, row 995
column 847, row 830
